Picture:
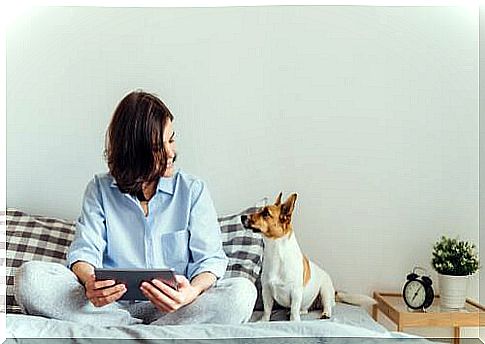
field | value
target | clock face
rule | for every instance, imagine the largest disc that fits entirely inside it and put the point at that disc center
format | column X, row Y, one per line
column 415, row 294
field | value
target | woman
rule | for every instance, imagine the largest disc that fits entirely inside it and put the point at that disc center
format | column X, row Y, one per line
column 144, row 213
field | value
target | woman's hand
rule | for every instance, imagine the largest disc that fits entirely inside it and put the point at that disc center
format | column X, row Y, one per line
column 167, row 299
column 99, row 295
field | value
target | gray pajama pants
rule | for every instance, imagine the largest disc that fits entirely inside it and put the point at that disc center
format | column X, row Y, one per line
column 53, row 291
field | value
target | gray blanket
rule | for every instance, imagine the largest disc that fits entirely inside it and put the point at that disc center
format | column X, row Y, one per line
column 349, row 323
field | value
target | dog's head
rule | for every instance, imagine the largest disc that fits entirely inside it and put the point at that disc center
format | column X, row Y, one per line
column 273, row 221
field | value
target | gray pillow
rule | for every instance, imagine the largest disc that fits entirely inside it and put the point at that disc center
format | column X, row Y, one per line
column 31, row 237
column 243, row 247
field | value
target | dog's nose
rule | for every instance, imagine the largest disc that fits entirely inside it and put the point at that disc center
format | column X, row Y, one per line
column 244, row 219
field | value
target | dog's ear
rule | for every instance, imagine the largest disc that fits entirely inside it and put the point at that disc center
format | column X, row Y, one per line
column 278, row 199
column 287, row 208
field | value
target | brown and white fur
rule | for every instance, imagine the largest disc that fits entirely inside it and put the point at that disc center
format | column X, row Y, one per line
column 288, row 276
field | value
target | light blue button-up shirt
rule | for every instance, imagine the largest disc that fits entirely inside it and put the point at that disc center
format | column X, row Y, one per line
column 180, row 232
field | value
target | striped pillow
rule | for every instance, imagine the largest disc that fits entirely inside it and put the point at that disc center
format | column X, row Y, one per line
column 243, row 247
column 33, row 238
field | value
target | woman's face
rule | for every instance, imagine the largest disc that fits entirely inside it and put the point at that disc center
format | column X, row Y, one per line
column 169, row 146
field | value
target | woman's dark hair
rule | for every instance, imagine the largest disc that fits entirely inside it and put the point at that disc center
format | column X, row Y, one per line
column 134, row 141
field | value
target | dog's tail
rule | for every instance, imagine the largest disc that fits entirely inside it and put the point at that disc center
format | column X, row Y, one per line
column 354, row 299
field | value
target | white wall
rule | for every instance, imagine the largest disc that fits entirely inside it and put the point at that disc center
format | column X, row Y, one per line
column 370, row 114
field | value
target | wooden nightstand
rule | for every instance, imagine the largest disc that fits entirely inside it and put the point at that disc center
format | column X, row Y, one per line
column 393, row 306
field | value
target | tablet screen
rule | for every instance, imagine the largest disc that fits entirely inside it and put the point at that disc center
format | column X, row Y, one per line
column 133, row 278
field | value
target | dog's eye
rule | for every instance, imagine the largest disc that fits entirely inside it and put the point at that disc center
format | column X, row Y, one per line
column 266, row 213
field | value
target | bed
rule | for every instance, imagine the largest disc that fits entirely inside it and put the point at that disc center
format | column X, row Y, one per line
column 45, row 238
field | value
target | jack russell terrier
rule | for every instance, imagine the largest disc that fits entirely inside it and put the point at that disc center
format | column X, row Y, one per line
column 288, row 276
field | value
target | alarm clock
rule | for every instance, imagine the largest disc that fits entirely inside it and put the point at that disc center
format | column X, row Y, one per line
column 417, row 291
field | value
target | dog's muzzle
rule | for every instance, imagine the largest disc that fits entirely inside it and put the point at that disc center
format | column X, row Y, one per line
column 245, row 221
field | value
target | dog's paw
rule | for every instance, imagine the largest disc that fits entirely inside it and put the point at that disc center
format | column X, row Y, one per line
column 265, row 317
column 325, row 315
column 294, row 317
column 304, row 312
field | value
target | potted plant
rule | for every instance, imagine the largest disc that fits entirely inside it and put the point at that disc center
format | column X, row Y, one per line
column 455, row 261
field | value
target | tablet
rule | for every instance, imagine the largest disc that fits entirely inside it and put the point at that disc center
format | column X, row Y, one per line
column 133, row 278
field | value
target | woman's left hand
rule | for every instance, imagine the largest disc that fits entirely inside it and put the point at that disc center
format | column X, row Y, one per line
column 167, row 299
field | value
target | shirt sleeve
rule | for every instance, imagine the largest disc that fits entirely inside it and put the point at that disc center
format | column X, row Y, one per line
column 205, row 242
column 90, row 236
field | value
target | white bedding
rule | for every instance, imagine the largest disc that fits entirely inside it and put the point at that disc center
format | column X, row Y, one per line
column 347, row 322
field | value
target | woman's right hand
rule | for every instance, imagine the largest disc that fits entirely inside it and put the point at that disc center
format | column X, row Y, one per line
column 98, row 293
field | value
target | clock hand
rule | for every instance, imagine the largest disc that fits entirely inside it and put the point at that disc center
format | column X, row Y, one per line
column 415, row 294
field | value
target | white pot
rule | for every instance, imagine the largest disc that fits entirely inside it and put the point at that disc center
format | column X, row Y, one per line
column 452, row 290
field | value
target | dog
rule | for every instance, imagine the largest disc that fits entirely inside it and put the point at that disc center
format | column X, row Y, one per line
column 288, row 276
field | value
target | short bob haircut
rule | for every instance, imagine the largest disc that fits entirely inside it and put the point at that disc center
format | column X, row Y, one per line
column 134, row 141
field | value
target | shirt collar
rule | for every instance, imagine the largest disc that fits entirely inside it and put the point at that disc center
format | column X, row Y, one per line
column 166, row 185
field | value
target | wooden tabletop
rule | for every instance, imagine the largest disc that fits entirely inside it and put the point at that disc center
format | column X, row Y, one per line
column 392, row 304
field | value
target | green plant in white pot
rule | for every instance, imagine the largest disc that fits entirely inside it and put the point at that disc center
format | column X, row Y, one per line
column 455, row 261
